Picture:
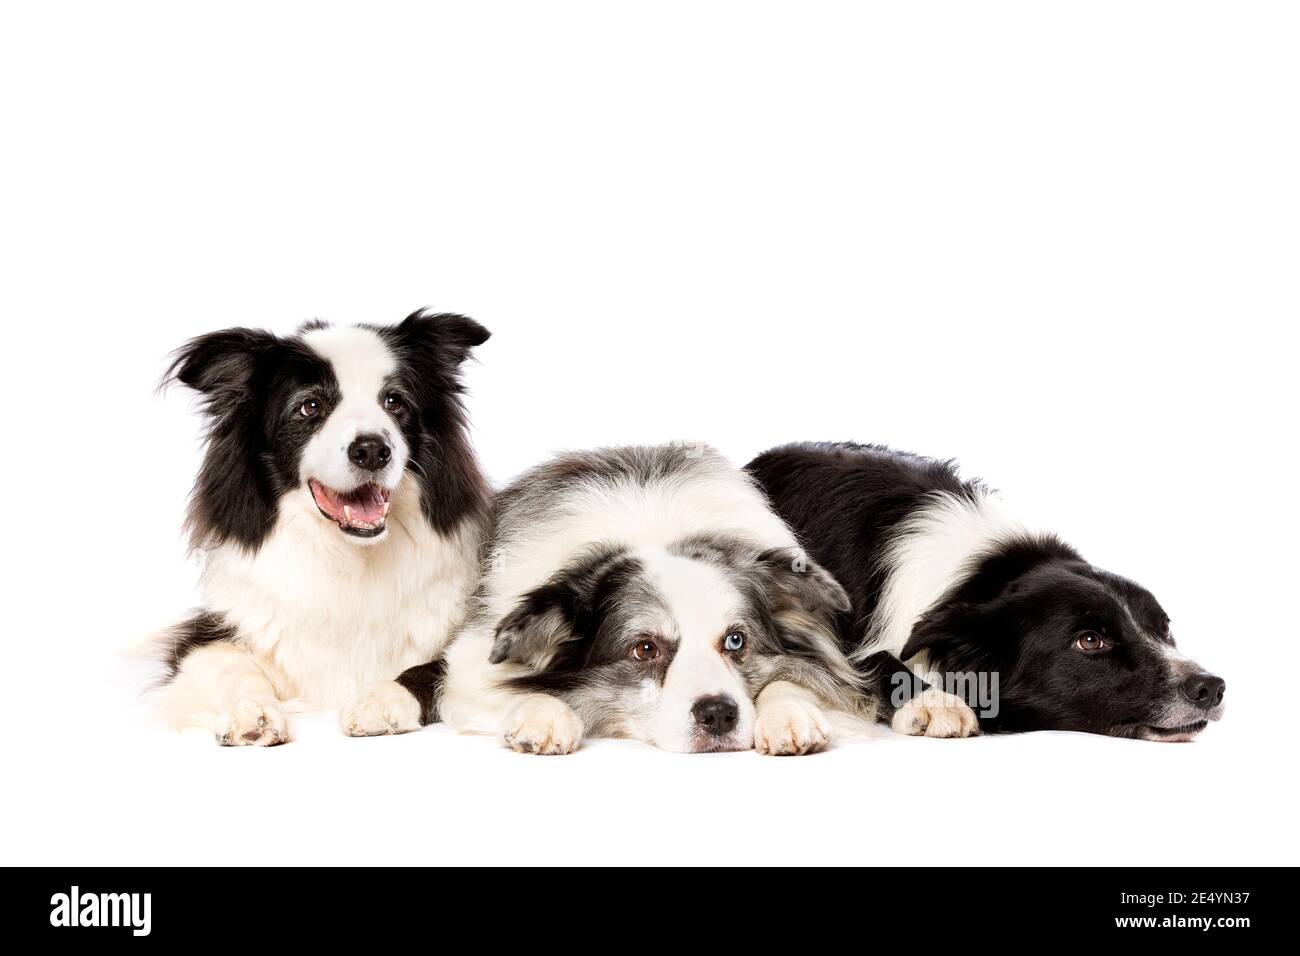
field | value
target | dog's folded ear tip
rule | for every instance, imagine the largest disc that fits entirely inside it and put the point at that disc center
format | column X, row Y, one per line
column 501, row 647
column 477, row 333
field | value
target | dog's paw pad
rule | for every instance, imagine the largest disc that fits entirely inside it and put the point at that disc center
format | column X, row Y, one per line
column 789, row 727
column 385, row 707
column 251, row 723
column 543, row 725
column 933, row 713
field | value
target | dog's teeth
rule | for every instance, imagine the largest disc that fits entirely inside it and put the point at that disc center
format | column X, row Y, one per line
column 347, row 513
column 387, row 505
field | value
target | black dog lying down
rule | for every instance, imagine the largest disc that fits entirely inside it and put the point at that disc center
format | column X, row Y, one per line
column 1012, row 620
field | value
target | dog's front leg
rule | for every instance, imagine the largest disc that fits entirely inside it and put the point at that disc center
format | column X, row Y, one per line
column 789, row 721
column 542, row 724
column 913, row 706
column 220, row 686
column 397, row 706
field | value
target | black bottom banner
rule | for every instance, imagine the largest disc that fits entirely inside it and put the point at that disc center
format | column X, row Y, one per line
column 953, row 905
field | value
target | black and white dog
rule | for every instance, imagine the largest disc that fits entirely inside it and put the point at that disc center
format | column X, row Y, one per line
column 941, row 577
column 648, row 593
column 338, row 512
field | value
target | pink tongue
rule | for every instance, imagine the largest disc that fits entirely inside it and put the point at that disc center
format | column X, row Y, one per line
column 367, row 505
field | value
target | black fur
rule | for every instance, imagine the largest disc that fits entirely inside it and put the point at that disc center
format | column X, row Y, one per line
column 432, row 348
column 887, row 680
column 199, row 631
column 425, row 683
column 1016, row 613
column 255, row 437
column 843, row 501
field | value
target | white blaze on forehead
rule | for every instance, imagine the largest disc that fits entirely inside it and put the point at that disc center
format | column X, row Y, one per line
column 361, row 360
column 703, row 604
column 700, row 597
column 1180, row 665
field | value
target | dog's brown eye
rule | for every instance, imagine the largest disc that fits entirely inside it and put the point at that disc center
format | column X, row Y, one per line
column 1090, row 642
column 392, row 402
column 644, row 651
column 309, row 408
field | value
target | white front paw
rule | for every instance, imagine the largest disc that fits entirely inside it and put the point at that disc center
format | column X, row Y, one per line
column 933, row 713
column 541, row 724
column 790, row 726
column 251, row 723
column 385, row 707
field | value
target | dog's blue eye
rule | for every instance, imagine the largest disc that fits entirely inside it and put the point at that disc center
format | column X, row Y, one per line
column 733, row 641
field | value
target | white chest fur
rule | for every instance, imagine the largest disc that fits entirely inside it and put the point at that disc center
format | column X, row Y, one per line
column 326, row 615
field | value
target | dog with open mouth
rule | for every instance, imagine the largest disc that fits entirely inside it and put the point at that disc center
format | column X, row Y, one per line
column 338, row 512
column 943, row 578
column 647, row 593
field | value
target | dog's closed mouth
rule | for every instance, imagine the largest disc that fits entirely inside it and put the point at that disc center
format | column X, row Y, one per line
column 1182, row 732
column 717, row 745
column 361, row 512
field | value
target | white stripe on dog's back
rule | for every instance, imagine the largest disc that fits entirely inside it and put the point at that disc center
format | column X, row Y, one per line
column 931, row 553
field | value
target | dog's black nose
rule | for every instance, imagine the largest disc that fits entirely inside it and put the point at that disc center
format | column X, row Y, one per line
column 716, row 715
column 1204, row 690
column 369, row 452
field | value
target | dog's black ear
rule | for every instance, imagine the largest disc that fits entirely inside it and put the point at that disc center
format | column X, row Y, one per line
column 797, row 583
column 232, row 498
column 953, row 628
column 219, row 364
column 934, row 628
column 432, row 348
column 451, row 335
column 538, row 627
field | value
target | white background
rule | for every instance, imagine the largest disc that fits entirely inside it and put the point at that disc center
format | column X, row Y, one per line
column 1056, row 242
